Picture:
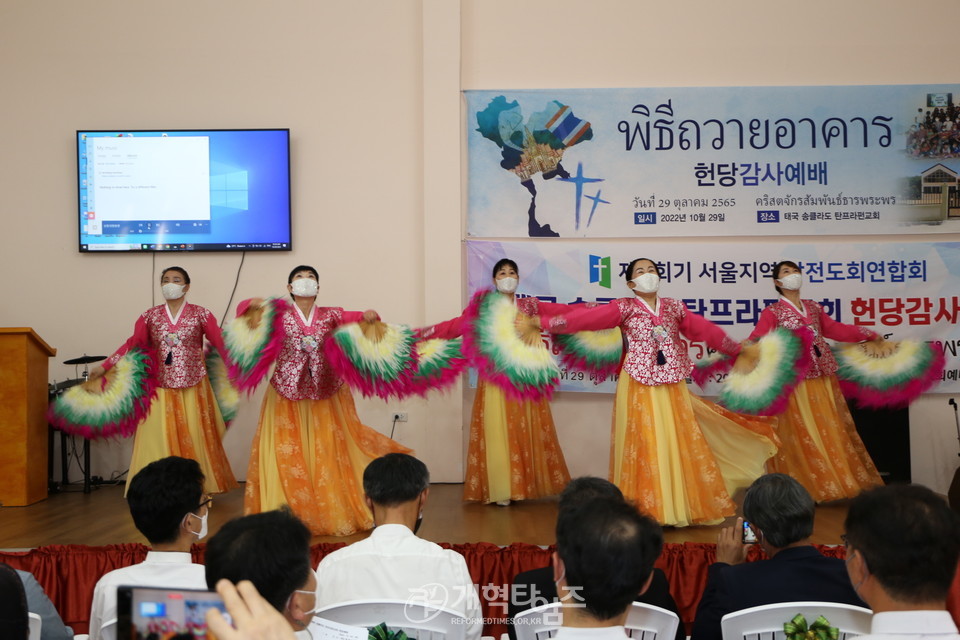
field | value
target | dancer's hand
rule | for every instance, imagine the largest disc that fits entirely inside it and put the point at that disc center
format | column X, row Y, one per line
column 370, row 315
column 730, row 547
column 97, row 373
column 879, row 347
column 374, row 330
column 747, row 359
column 254, row 313
column 253, row 617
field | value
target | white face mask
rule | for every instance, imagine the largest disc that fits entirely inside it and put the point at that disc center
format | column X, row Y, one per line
column 305, row 287
column 203, row 525
column 647, row 283
column 791, row 282
column 507, row 285
column 172, row 291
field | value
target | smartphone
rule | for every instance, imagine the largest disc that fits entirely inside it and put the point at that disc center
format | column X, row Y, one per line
column 749, row 537
column 144, row 612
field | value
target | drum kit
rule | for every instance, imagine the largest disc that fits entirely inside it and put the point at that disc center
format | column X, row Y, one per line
column 53, row 390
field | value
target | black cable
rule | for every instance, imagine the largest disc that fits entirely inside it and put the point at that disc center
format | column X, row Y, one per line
column 393, row 428
column 243, row 256
column 153, row 279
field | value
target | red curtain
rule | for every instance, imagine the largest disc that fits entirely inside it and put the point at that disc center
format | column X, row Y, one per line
column 68, row 573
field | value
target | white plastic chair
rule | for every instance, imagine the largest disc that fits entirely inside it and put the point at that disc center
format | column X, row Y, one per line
column 644, row 621
column 34, row 623
column 419, row 621
column 766, row 621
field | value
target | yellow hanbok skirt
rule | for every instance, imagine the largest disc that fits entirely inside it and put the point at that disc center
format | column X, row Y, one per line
column 186, row 423
column 513, row 452
column 679, row 457
column 820, row 444
column 310, row 454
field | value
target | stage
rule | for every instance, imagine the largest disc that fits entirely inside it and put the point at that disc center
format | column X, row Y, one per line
column 102, row 518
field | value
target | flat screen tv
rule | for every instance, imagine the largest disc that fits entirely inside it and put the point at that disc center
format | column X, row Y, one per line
column 184, row 190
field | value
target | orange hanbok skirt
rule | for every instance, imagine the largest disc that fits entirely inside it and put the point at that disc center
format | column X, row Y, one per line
column 310, row 454
column 186, row 423
column 513, row 453
column 679, row 457
column 820, row 444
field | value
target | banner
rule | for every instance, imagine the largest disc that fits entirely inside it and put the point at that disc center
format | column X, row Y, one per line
column 714, row 161
column 898, row 290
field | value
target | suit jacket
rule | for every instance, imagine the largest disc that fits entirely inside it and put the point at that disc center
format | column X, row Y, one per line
column 534, row 588
column 794, row 574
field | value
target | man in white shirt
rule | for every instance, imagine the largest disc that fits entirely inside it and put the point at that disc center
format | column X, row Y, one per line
column 903, row 543
column 393, row 563
column 271, row 550
column 168, row 507
column 604, row 558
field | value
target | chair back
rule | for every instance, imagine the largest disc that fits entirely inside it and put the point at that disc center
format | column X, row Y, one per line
column 644, row 622
column 766, row 621
column 34, row 623
column 419, row 621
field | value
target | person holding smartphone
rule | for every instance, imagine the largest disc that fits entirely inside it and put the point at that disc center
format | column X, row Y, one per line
column 779, row 512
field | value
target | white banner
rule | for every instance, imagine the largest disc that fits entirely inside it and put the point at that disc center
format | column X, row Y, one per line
column 899, row 290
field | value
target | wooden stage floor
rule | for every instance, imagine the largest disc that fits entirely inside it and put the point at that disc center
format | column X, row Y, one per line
column 101, row 518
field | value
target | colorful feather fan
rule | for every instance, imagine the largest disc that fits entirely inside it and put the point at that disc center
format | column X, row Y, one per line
column 380, row 364
column 715, row 363
column 592, row 351
column 252, row 350
column 522, row 369
column 782, row 358
column 889, row 382
column 113, row 405
column 227, row 395
column 439, row 363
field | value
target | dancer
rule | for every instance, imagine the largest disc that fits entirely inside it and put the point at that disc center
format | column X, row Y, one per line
column 184, row 419
column 310, row 448
column 513, row 452
column 678, row 456
column 820, row 446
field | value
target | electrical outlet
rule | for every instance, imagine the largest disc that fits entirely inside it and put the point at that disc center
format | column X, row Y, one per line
column 399, row 416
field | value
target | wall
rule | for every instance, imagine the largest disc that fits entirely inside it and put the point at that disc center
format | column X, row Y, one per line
column 370, row 92
column 614, row 43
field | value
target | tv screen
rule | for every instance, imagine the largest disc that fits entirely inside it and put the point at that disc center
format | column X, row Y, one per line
column 184, row 190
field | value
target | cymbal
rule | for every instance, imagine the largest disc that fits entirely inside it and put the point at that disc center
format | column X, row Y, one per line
column 85, row 359
column 66, row 384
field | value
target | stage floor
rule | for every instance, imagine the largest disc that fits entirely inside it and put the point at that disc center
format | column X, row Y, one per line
column 101, row 518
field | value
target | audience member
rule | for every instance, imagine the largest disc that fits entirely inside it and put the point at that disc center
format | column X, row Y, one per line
column 604, row 558
column 903, row 543
column 271, row 550
column 536, row 587
column 253, row 617
column 780, row 512
column 168, row 507
column 393, row 563
column 13, row 604
column 51, row 625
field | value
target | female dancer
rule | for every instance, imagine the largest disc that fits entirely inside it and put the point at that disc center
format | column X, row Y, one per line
column 820, row 445
column 184, row 419
column 513, row 452
column 310, row 448
column 678, row 456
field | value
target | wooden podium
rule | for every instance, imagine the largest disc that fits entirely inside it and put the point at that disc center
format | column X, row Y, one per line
column 23, row 421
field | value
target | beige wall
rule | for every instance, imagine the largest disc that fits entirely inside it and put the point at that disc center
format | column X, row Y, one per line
column 369, row 90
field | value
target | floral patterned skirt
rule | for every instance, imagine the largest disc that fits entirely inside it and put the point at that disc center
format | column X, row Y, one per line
column 679, row 457
column 821, row 447
column 513, row 453
column 187, row 423
column 310, row 454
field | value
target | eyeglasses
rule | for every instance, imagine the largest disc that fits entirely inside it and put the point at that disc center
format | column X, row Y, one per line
column 843, row 538
column 207, row 502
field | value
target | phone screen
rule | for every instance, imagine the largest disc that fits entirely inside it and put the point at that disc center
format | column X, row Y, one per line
column 149, row 612
column 749, row 537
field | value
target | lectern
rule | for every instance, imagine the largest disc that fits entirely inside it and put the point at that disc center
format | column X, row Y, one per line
column 23, row 422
